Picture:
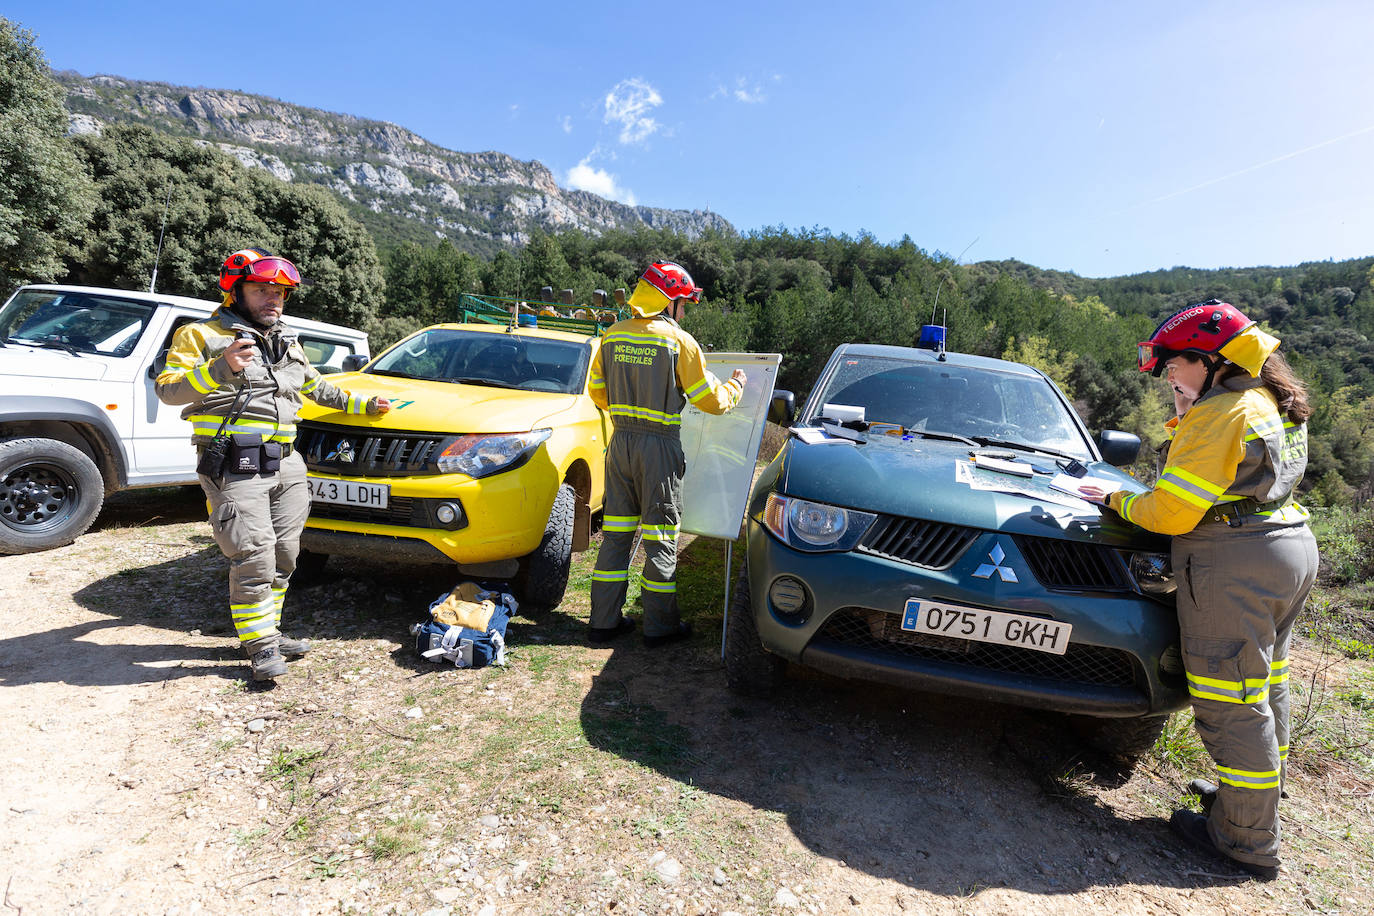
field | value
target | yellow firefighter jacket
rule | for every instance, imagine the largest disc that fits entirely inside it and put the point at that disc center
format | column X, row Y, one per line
column 198, row 377
column 648, row 368
column 1232, row 444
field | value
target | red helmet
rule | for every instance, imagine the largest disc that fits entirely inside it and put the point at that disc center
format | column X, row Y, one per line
column 672, row 281
column 257, row 266
column 1202, row 328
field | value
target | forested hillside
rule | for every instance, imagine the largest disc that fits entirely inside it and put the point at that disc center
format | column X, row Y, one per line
column 90, row 208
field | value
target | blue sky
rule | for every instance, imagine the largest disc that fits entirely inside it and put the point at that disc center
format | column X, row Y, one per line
column 1102, row 138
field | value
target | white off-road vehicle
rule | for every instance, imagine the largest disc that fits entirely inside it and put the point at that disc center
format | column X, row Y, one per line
column 79, row 417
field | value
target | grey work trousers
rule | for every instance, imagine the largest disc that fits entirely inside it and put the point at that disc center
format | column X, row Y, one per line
column 644, row 493
column 257, row 522
column 1240, row 592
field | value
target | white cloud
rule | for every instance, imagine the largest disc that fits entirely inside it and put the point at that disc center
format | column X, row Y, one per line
column 584, row 177
column 566, row 124
column 743, row 91
column 629, row 105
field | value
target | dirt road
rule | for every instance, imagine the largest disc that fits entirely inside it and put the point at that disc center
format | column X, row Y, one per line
column 142, row 775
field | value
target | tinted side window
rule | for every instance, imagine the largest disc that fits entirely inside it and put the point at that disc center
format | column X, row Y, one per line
column 325, row 355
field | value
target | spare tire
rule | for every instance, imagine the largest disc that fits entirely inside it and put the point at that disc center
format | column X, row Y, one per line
column 50, row 493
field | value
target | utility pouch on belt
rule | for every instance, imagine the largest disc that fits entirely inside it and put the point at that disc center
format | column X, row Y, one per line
column 271, row 457
column 245, row 453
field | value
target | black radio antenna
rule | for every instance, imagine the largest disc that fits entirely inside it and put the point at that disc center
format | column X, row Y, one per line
column 152, row 285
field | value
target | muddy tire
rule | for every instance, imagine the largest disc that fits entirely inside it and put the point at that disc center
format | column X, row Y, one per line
column 544, row 573
column 750, row 669
column 50, row 493
column 1126, row 740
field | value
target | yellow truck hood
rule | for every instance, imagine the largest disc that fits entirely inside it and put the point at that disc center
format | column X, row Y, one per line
column 443, row 407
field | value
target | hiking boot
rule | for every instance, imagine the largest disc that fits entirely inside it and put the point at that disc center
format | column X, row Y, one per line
column 293, row 648
column 1206, row 793
column 264, row 655
column 600, row 636
column 683, row 631
column 1193, row 827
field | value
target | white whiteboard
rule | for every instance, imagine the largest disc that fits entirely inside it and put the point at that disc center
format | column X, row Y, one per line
column 721, row 451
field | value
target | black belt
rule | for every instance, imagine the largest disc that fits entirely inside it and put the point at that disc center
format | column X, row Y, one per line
column 1232, row 513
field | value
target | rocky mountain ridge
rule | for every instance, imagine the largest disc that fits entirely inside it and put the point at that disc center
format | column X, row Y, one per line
column 401, row 186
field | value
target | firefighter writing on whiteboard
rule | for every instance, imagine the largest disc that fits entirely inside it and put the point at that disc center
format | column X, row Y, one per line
column 645, row 372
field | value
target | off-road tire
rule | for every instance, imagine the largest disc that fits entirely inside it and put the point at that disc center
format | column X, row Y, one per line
column 1126, row 740
column 50, row 493
column 750, row 669
column 544, row 573
column 309, row 567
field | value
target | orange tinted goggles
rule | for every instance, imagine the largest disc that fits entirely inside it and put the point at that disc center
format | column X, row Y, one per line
column 273, row 270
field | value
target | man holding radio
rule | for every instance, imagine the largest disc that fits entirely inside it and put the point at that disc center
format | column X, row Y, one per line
column 241, row 374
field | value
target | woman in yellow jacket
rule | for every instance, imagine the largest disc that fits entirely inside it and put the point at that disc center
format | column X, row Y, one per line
column 1244, row 558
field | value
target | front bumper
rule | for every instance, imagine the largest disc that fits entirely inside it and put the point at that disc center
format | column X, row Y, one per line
column 1121, row 660
column 503, row 517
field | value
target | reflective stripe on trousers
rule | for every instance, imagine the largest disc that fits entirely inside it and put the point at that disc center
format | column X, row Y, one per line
column 257, row 522
column 1240, row 591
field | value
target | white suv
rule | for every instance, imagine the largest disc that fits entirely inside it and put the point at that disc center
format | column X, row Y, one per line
column 78, row 414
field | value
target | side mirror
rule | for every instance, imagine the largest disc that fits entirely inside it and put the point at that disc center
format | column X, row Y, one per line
column 784, row 407
column 1118, row 448
column 354, row 361
column 157, row 365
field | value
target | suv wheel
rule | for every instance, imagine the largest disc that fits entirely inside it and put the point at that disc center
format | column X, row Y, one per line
column 50, row 492
column 750, row 669
column 1125, row 739
column 545, row 571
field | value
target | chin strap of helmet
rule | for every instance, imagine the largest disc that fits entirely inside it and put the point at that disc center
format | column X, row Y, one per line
column 1213, row 364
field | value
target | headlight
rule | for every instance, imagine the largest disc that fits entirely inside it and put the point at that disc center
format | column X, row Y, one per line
column 1153, row 573
column 812, row 526
column 483, row 454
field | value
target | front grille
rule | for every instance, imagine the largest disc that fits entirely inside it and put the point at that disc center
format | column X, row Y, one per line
column 355, row 452
column 1071, row 565
column 400, row 510
column 882, row 633
column 930, row 544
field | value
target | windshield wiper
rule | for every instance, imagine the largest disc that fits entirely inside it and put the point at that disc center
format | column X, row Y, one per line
column 491, row 382
column 392, row 373
column 948, row 437
column 1008, row 443
column 59, row 345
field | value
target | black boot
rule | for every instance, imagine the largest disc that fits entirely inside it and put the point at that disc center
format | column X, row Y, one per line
column 1206, row 793
column 683, row 631
column 1193, row 827
column 293, row 648
column 264, row 654
column 600, row 636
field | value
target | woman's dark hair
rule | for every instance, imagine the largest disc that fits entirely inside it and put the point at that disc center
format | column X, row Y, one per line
column 1283, row 383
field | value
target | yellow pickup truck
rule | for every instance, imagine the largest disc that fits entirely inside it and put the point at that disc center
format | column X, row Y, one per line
column 491, row 458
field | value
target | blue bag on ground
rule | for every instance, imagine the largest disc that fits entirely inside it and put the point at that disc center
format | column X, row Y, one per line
column 467, row 627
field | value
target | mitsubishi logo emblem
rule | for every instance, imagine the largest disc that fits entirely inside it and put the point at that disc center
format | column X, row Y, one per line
column 342, row 452
column 996, row 555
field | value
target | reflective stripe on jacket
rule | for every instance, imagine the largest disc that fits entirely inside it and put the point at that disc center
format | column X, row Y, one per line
column 1232, row 444
column 197, row 376
column 645, row 372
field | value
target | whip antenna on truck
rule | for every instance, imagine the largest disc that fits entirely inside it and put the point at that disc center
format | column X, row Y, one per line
column 152, row 285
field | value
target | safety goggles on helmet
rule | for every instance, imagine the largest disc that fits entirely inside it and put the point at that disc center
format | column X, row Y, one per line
column 273, row 270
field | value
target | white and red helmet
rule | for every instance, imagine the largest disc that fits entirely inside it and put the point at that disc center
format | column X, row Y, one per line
column 672, row 280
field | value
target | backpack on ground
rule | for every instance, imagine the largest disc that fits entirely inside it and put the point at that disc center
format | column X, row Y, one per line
column 467, row 626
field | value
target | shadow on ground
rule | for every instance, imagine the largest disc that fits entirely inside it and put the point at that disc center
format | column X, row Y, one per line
column 937, row 793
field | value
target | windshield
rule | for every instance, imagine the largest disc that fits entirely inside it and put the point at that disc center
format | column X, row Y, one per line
column 500, row 360
column 981, row 405
column 76, row 322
